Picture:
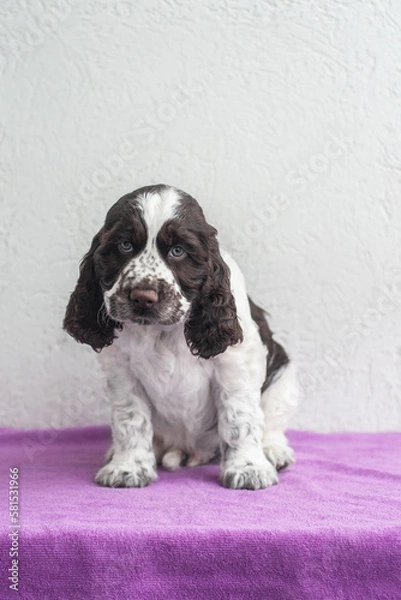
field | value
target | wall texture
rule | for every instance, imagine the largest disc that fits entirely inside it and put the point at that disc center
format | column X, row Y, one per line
column 282, row 118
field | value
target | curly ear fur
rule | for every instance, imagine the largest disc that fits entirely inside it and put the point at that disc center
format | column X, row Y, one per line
column 83, row 319
column 213, row 325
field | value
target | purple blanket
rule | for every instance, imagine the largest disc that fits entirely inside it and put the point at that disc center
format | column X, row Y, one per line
column 330, row 530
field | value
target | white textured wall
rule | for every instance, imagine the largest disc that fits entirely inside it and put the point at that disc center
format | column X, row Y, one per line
column 282, row 118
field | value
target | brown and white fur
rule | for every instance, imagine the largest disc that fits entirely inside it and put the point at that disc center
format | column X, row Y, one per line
column 193, row 371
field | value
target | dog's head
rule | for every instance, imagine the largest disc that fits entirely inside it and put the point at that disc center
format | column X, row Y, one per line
column 155, row 261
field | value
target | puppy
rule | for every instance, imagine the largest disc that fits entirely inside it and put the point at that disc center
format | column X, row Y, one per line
column 193, row 371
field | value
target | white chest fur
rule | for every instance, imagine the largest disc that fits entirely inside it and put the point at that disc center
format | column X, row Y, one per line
column 178, row 385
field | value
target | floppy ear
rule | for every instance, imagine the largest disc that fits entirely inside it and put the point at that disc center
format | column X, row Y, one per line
column 213, row 325
column 84, row 318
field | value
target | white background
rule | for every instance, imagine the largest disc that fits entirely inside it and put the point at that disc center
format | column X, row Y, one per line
column 282, row 118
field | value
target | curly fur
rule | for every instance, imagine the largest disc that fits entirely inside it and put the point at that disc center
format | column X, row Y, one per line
column 213, row 325
column 85, row 319
column 158, row 315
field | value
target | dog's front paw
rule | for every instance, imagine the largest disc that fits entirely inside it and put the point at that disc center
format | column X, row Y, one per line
column 248, row 476
column 280, row 455
column 140, row 474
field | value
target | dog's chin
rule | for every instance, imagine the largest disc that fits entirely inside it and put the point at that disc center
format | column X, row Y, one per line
column 147, row 320
column 164, row 322
column 125, row 315
column 143, row 321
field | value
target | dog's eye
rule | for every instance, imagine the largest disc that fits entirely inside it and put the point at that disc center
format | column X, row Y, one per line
column 177, row 252
column 125, row 246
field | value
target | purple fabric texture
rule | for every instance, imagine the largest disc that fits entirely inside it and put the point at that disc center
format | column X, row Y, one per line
column 330, row 530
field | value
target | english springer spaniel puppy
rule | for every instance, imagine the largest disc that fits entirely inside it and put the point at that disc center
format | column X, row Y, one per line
column 193, row 371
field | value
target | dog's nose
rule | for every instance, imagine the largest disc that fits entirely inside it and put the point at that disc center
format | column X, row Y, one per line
column 144, row 298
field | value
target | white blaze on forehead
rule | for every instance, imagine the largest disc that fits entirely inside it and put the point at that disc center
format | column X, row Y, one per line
column 158, row 208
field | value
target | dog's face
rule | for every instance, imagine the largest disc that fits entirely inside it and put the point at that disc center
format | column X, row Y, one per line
column 155, row 261
column 152, row 257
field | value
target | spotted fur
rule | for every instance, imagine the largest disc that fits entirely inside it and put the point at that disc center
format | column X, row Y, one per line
column 193, row 371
